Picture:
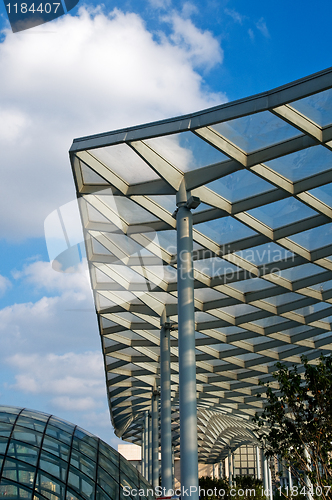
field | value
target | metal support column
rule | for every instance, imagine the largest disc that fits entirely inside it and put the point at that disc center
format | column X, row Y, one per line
column 165, row 405
column 146, row 446
column 230, row 467
column 155, row 439
column 270, row 482
column 290, row 480
column 187, row 358
column 265, row 476
column 258, row 463
column 143, row 449
column 307, row 481
column 150, row 448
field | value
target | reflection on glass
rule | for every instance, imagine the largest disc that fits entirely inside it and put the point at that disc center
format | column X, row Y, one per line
column 186, row 151
column 240, row 185
column 254, row 132
column 317, row 108
column 122, row 160
column 302, row 164
column 282, row 212
column 224, row 231
column 317, row 237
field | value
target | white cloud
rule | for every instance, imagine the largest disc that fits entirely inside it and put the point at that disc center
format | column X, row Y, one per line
column 202, row 49
column 160, row 4
column 70, row 385
column 55, row 324
column 42, row 276
column 5, row 284
column 238, row 18
column 92, row 73
column 261, row 26
column 64, row 378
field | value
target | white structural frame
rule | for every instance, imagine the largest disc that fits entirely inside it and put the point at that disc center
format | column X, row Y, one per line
column 262, row 265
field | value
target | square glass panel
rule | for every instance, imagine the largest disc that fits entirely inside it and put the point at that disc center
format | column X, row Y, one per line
column 317, row 237
column 31, row 423
column 61, row 424
column 124, row 162
column 224, row 231
column 300, row 272
column 53, row 465
column 22, row 451
column 240, row 185
column 8, row 417
column 127, row 209
column 302, row 164
column 186, row 151
column 265, row 254
column 81, row 483
column 318, row 107
column 31, row 437
column 49, row 487
column 130, row 470
column 257, row 131
column 18, row 472
column 90, row 176
column 5, row 429
column 109, row 466
column 323, row 193
column 216, row 267
column 58, row 434
column 101, row 494
column 282, row 212
column 85, row 448
column 83, row 463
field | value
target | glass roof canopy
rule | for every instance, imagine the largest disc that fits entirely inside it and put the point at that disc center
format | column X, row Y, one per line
column 262, row 168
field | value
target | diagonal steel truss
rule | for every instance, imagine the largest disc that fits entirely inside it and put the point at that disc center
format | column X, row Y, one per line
column 262, row 168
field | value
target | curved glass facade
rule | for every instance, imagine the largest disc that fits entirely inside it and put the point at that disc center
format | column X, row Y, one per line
column 42, row 456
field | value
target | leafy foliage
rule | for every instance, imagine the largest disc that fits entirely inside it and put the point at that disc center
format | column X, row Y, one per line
column 296, row 423
column 242, row 489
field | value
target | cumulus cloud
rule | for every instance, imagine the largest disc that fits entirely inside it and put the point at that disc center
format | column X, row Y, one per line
column 41, row 275
column 202, row 49
column 65, row 378
column 92, row 73
column 71, row 385
column 58, row 323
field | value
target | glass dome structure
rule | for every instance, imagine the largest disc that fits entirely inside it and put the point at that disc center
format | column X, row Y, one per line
column 42, row 456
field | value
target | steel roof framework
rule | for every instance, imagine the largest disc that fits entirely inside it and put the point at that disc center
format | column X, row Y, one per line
column 262, row 168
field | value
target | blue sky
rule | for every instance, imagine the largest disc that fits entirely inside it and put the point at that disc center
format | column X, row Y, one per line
column 99, row 68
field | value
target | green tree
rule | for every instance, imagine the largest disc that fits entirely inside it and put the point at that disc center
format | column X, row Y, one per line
column 296, row 423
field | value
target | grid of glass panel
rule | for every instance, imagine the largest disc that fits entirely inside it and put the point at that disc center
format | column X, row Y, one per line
column 262, row 168
column 244, row 461
column 44, row 457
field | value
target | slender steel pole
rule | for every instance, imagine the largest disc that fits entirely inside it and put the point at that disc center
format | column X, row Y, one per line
column 270, row 483
column 290, row 480
column 265, row 476
column 230, row 467
column 143, row 449
column 155, row 439
column 146, row 446
column 187, row 360
column 165, row 406
column 258, row 464
column 150, row 448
